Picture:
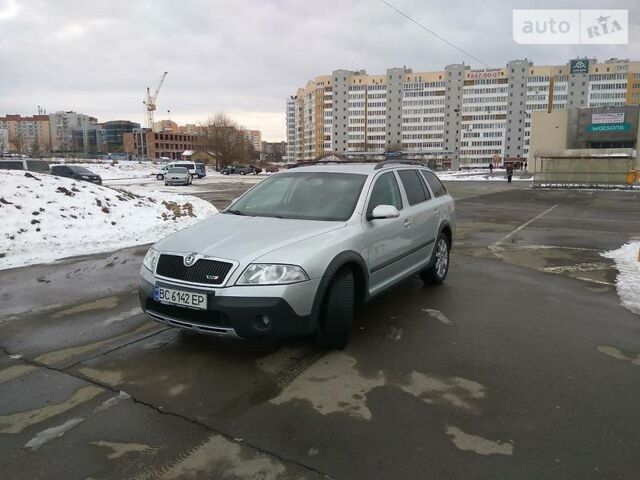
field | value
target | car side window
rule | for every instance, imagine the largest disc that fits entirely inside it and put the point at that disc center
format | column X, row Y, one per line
column 385, row 192
column 414, row 186
column 434, row 182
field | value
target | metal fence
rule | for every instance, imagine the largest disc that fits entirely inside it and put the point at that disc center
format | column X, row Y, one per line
column 585, row 172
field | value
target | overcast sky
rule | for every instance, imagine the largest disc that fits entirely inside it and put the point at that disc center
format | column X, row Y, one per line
column 244, row 57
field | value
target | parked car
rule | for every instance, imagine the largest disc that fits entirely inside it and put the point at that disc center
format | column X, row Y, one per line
column 239, row 170
column 255, row 169
column 76, row 172
column 201, row 170
column 178, row 176
column 162, row 172
column 19, row 163
column 272, row 169
column 297, row 253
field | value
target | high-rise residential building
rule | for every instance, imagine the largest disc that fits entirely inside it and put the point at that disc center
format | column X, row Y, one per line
column 255, row 139
column 290, row 155
column 27, row 134
column 464, row 117
column 62, row 125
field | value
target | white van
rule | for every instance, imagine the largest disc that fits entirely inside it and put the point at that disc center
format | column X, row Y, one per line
column 191, row 166
column 24, row 163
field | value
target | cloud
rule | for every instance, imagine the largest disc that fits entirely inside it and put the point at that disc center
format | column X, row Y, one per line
column 245, row 57
column 8, row 9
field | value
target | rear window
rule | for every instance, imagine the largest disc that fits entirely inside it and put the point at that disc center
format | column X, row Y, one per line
column 413, row 186
column 11, row 165
column 434, row 182
column 184, row 165
column 75, row 169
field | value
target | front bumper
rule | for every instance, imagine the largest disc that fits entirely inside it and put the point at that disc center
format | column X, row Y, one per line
column 235, row 311
column 177, row 181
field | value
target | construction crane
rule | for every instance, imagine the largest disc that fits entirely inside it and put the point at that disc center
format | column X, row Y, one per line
column 150, row 101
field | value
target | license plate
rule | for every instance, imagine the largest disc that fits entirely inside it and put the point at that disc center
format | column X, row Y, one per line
column 170, row 296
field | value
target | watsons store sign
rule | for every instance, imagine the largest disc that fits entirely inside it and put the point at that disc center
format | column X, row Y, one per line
column 608, row 127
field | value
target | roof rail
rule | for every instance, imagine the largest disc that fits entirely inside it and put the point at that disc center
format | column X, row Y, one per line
column 403, row 162
column 317, row 162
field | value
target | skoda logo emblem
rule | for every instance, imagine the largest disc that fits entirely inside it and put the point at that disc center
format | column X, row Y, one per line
column 190, row 259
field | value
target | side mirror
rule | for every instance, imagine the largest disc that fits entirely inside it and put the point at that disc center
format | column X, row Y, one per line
column 384, row 211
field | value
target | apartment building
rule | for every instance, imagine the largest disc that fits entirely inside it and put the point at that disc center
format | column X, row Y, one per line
column 26, row 134
column 461, row 116
column 255, row 139
column 62, row 125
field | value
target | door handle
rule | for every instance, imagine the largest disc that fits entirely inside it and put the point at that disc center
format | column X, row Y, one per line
column 436, row 212
column 407, row 223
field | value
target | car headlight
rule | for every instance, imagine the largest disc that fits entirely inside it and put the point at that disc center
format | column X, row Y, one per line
column 151, row 259
column 271, row 274
column 85, row 177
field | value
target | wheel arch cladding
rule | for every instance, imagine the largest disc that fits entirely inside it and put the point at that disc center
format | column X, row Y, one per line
column 446, row 229
column 349, row 259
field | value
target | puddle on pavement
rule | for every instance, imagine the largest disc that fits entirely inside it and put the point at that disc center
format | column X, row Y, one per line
column 58, row 356
column 108, row 377
column 15, row 371
column 17, row 422
column 631, row 357
column 473, row 443
column 117, row 450
column 100, row 304
column 218, row 457
column 334, row 385
column 580, row 263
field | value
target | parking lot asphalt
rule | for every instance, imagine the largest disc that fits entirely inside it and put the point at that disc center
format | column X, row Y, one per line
column 522, row 365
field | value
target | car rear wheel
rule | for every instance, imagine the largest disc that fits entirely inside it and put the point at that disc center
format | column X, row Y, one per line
column 437, row 273
column 336, row 315
column 159, row 177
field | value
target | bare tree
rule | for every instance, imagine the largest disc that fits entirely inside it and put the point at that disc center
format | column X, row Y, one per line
column 226, row 140
column 17, row 140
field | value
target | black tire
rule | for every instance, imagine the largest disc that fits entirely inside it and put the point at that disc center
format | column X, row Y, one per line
column 159, row 177
column 243, row 173
column 166, row 184
column 337, row 312
column 437, row 273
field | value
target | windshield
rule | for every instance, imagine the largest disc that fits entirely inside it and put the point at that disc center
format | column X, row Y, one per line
column 178, row 170
column 303, row 195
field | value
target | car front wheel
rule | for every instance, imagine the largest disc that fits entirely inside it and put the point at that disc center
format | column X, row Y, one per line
column 336, row 315
column 440, row 262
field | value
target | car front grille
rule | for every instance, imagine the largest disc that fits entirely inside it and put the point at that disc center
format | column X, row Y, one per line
column 209, row 272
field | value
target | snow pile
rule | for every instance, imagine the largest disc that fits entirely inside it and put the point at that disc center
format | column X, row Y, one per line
column 483, row 175
column 628, row 281
column 45, row 218
column 111, row 171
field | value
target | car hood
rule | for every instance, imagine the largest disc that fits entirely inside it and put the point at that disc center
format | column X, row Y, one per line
column 242, row 238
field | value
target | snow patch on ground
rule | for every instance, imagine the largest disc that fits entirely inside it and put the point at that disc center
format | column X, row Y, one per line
column 628, row 280
column 109, row 170
column 483, row 175
column 45, row 218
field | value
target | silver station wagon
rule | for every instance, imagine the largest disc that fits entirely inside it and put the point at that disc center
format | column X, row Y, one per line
column 297, row 253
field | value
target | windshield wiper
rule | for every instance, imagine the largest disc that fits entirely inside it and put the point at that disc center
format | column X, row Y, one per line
column 234, row 212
